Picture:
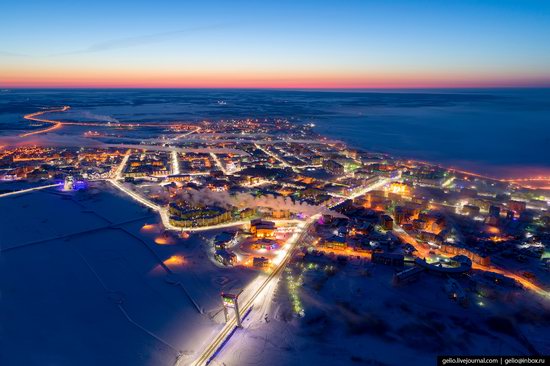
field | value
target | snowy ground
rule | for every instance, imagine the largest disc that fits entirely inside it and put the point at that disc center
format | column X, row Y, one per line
column 353, row 319
column 83, row 284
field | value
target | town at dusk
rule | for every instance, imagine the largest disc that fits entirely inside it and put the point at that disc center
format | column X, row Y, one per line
column 362, row 183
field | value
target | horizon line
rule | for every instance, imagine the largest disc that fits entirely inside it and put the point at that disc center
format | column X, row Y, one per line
column 475, row 87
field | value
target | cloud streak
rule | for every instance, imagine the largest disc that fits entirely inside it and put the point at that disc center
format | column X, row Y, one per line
column 141, row 40
column 12, row 54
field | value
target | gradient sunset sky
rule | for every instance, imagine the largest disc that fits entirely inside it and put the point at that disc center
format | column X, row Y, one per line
column 274, row 44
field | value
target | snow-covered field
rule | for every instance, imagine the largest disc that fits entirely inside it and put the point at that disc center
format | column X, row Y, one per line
column 89, row 278
column 353, row 319
column 83, row 284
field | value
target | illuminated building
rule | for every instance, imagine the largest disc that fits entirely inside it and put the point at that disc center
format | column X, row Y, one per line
column 430, row 178
column 247, row 212
column 475, row 257
column 400, row 215
column 68, row 185
column 470, row 210
column 317, row 160
column 280, row 214
column 224, row 239
column 336, row 242
column 333, row 167
column 434, row 222
column 182, row 215
column 400, row 189
column 226, row 257
column 404, row 214
column 386, row 222
column 419, row 224
column 459, row 264
column 262, row 229
column 148, row 164
column 430, row 237
column 178, row 178
column 517, row 206
column 376, row 200
column 260, row 262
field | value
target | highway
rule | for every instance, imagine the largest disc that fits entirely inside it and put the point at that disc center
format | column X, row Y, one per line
column 377, row 185
column 115, row 181
column 175, row 163
column 163, row 211
column 274, row 156
column 135, row 196
column 250, row 294
column 524, row 281
column 407, row 238
column 54, row 124
column 218, row 163
column 58, row 124
column 120, row 169
column 29, row 190
column 187, row 134
column 164, row 215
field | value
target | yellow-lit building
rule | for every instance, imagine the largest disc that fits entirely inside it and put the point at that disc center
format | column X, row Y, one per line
column 400, row 189
column 262, row 229
column 483, row 260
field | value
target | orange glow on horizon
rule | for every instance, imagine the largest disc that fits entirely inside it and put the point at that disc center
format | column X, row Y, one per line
column 72, row 77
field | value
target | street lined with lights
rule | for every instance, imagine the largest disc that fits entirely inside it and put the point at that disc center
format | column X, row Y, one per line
column 30, row 190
